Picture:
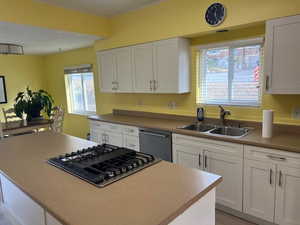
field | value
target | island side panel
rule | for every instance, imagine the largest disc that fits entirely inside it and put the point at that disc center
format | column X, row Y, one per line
column 201, row 212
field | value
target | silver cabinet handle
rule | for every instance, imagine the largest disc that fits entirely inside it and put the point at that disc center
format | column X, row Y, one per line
column 103, row 138
column 271, row 175
column 280, row 179
column 267, row 82
column 205, row 161
column 277, row 158
column 199, row 160
column 151, row 88
column 155, row 85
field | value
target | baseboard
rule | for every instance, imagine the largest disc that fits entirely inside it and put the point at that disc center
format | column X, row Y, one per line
column 242, row 215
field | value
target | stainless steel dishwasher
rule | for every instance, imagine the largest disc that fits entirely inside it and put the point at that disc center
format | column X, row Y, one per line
column 157, row 143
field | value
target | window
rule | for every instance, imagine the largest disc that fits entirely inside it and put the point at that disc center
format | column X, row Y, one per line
column 80, row 90
column 230, row 73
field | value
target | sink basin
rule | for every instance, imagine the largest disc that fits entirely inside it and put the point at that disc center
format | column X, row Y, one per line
column 199, row 127
column 224, row 131
column 230, row 131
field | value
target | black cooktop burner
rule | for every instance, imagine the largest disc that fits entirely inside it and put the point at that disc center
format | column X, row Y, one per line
column 103, row 164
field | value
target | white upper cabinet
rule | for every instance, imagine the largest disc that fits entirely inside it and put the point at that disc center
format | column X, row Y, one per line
column 282, row 49
column 171, row 66
column 123, row 57
column 106, row 67
column 143, row 68
column 115, row 69
column 156, row 67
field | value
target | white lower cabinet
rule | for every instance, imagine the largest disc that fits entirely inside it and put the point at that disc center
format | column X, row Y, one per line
column 287, row 210
column 272, row 184
column 23, row 208
column 230, row 192
column 259, row 189
column 115, row 134
column 186, row 156
column 222, row 158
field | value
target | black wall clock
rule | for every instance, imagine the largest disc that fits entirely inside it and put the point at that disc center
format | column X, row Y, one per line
column 215, row 14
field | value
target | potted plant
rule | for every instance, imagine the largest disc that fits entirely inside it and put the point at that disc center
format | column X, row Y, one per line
column 32, row 103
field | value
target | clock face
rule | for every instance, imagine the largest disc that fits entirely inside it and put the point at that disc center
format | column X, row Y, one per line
column 215, row 14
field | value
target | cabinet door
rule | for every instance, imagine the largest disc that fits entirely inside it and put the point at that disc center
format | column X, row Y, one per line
column 143, row 67
column 230, row 191
column 259, row 189
column 282, row 55
column 123, row 58
column 23, row 208
column 287, row 196
column 187, row 157
column 132, row 142
column 106, row 64
column 114, row 139
column 166, row 64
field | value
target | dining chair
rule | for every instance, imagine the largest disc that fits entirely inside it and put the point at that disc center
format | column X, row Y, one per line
column 57, row 117
column 9, row 115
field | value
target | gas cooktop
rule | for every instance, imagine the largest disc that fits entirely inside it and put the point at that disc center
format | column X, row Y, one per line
column 103, row 164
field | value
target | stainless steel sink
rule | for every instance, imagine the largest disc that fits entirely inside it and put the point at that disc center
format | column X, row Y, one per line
column 230, row 131
column 199, row 127
column 223, row 131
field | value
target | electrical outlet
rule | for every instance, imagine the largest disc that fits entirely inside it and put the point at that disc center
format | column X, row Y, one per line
column 140, row 103
column 296, row 113
column 172, row 105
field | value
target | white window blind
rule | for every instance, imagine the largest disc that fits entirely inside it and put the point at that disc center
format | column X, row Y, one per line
column 230, row 73
column 80, row 90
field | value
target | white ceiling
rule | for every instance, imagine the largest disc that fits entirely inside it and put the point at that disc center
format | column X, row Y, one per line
column 102, row 7
column 38, row 40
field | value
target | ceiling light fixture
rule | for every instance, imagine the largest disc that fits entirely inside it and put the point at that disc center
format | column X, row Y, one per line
column 11, row 49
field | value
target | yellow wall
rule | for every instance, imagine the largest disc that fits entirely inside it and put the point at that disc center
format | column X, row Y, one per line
column 54, row 73
column 31, row 12
column 19, row 72
column 173, row 18
column 186, row 103
column 168, row 19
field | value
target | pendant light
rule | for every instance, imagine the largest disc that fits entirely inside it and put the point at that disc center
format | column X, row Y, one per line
column 11, row 49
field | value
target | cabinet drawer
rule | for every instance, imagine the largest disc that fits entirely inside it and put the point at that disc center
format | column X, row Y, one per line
column 95, row 124
column 23, row 208
column 129, row 130
column 131, row 142
column 272, row 155
column 208, row 144
column 111, row 127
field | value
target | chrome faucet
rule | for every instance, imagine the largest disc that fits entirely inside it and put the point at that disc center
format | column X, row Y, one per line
column 223, row 114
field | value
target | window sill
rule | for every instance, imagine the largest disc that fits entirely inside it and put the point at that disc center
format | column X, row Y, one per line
column 82, row 113
column 254, row 105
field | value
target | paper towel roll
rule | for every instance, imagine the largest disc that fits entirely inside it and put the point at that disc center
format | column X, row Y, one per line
column 267, row 127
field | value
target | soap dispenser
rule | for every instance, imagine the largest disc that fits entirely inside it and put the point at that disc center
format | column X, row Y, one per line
column 200, row 114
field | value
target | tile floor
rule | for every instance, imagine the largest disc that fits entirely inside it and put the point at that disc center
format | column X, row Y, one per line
column 226, row 219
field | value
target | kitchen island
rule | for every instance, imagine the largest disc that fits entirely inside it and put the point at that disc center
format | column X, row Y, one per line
column 37, row 193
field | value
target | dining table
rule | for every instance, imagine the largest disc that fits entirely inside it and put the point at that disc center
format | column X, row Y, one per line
column 18, row 126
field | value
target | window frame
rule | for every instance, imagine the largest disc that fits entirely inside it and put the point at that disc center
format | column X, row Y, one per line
column 201, row 98
column 69, row 93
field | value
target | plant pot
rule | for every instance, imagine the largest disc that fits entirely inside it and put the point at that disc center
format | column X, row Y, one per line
column 34, row 114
